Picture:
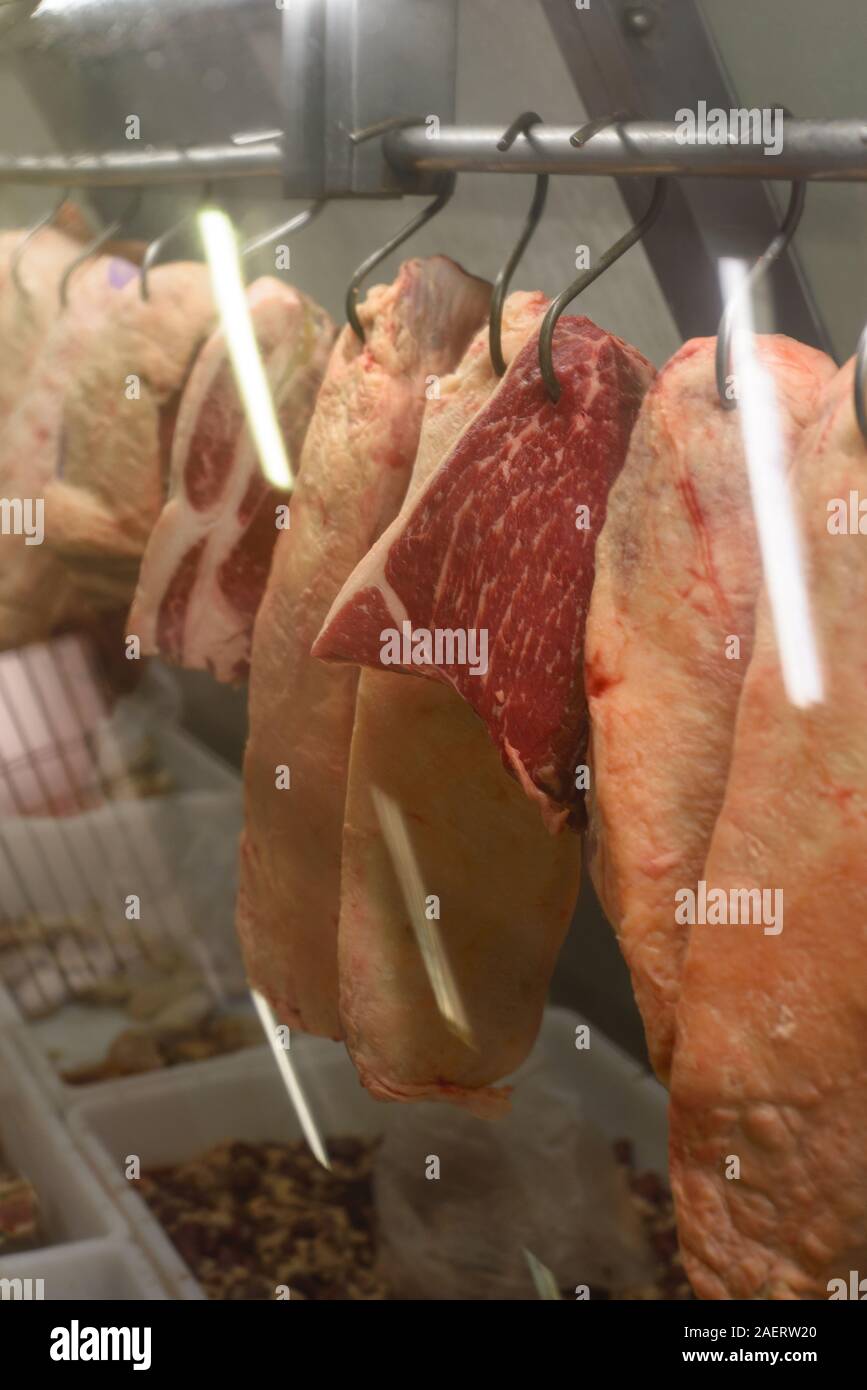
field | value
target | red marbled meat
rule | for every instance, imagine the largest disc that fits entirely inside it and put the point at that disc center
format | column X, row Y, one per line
column 207, row 563
column 492, row 543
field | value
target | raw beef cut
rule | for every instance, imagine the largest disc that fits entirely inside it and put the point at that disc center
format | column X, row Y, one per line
column 677, row 576
column 506, row 888
column 26, row 319
column 356, row 460
column 207, row 561
column 34, row 599
column 772, row 1025
column 498, row 548
column 120, row 401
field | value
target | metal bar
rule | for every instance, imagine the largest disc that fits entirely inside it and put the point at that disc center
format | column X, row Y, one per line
column 198, row 164
column 819, row 150
column 823, row 151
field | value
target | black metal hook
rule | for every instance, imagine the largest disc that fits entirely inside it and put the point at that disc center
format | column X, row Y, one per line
column 295, row 224
column 93, row 246
column 439, row 202
column 788, row 227
column 156, row 247
column 555, row 309
column 860, row 385
column 520, row 126
column 446, row 189
column 15, row 261
column 579, row 137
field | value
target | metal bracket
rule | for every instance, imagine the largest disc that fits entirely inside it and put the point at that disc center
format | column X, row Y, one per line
column 348, row 65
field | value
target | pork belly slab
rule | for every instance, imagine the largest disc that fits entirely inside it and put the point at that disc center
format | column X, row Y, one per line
column 769, row 1064
column 355, row 465
column 677, row 577
column 500, row 542
column 207, row 561
column 506, row 888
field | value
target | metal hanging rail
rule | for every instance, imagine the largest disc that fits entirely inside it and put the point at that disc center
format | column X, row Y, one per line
column 146, row 168
column 822, row 151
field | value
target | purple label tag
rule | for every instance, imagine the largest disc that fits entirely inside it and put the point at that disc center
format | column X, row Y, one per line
column 120, row 272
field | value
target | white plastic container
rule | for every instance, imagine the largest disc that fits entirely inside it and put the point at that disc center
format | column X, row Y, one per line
column 173, row 1116
column 36, row 1145
column 99, row 1270
column 178, row 852
column 85, row 1035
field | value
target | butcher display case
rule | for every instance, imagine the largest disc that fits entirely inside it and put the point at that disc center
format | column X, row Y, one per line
column 433, row 717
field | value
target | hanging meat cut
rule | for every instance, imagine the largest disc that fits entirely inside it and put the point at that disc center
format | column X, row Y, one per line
column 34, row 598
column 506, row 889
column 356, row 461
column 101, row 389
column 207, row 561
column 669, row 636
column 28, row 311
column 772, row 1020
column 496, row 553
column 120, row 402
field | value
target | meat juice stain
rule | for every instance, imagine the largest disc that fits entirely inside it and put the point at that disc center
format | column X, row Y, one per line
column 686, row 488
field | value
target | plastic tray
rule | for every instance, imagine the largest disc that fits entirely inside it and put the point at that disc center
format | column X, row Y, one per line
column 101, row 1270
column 89, row 1032
column 36, row 1145
column 172, row 1117
column 158, row 839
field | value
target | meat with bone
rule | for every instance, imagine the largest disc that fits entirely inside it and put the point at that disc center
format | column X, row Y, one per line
column 498, row 549
column 120, row 402
column 207, row 561
column 357, row 457
column 506, row 888
column 34, row 594
column 772, row 1019
column 677, row 576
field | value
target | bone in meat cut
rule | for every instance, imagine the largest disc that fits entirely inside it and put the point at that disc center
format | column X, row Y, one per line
column 677, row 576
column 506, row 888
column 772, row 1029
column 119, row 408
column 495, row 542
column 207, row 561
column 356, row 461
column 34, row 595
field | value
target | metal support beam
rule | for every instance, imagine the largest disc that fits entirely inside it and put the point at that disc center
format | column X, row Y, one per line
column 653, row 59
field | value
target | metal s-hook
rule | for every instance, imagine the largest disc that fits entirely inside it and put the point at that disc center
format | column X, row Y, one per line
column 158, row 244
column 787, row 230
column 439, row 202
column 295, row 224
column 93, row 246
column 859, row 390
column 520, row 126
column 446, row 189
column 15, row 261
column 579, row 137
column 555, row 309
